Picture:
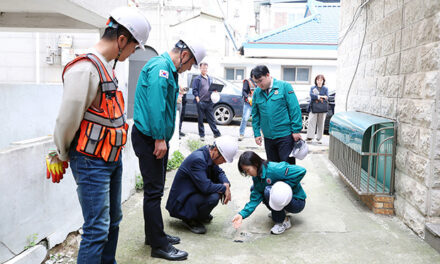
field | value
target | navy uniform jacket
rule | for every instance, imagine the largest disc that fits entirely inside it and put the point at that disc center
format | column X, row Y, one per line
column 197, row 174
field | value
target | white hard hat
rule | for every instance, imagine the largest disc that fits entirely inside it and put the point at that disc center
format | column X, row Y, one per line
column 134, row 21
column 300, row 149
column 280, row 195
column 215, row 97
column 197, row 50
column 227, row 146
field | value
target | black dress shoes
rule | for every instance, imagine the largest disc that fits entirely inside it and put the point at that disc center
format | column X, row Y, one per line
column 170, row 253
column 194, row 226
column 173, row 240
column 208, row 219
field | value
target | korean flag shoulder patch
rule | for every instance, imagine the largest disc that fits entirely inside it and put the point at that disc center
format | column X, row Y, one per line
column 163, row 74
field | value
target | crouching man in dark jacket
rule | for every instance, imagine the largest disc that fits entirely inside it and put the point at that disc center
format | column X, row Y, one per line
column 200, row 183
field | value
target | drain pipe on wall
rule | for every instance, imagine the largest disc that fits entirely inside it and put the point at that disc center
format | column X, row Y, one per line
column 37, row 57
column 355, row 17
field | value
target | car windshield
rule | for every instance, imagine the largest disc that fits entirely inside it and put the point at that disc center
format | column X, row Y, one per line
column 229, row 88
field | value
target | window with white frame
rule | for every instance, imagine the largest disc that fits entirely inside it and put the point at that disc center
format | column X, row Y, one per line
column 296, row 74
column 234, row 74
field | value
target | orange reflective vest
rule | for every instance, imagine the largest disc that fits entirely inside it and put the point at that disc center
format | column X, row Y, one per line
column 103, row 130
column 252, row 87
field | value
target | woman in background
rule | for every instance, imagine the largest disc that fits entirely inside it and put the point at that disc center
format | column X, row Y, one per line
column 318, row 94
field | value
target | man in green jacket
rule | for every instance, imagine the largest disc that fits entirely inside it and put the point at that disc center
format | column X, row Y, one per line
column 154, row 118
column 276, row 113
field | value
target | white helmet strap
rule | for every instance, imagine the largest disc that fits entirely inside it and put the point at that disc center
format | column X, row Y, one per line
column 218, row 151
column 113, row 24
column 180, row 58
column 182, row 46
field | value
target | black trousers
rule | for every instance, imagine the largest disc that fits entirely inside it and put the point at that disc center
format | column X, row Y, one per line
column 278, row 149
column 206, row 109
column 153, row 174
column 182, row 112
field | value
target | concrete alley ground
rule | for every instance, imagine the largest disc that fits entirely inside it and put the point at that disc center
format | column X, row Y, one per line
column 335, row 227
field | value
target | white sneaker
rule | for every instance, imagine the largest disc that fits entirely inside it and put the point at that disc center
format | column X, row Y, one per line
column 287, row 223
column 278, row 228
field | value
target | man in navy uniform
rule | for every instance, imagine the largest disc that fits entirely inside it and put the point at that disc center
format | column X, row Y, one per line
column 200, row 183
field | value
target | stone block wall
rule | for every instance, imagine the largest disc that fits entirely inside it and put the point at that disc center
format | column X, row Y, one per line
column 397, row 76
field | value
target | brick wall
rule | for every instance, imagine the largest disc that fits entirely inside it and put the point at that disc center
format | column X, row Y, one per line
column 398, row 77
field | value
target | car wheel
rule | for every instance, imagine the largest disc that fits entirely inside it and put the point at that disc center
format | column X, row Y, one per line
column 223, row 114
column 305, row 121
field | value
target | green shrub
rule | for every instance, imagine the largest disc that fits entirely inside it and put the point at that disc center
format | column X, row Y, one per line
column 139, row 182
column 194, row 144
column 175, row 160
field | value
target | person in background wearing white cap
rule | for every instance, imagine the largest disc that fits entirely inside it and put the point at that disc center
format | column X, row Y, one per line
column 83, row 112
column 154, row 118
column 200, row 183
column 268, row 187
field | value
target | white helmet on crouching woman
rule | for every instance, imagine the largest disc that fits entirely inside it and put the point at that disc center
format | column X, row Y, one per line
column 227, row 146
column 280, row 195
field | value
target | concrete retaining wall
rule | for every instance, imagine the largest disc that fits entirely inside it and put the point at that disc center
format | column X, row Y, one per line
column 31, row 111
column 30, row 204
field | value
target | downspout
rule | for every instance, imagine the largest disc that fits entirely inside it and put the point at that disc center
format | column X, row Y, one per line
column 37, row 58
column 227, row 27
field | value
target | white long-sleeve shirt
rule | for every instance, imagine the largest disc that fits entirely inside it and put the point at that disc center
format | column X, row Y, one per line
column 81, row 90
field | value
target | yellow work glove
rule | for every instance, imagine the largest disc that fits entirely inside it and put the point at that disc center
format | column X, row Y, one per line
column 55, row 167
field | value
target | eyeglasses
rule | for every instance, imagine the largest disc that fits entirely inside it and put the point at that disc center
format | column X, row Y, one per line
column 259, row 80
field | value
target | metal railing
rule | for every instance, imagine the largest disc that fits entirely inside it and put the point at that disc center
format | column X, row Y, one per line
column 369, row 172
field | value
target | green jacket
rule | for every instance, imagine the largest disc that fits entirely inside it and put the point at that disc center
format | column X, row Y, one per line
column 277, row 114
column 155, row 99
column 273, row 172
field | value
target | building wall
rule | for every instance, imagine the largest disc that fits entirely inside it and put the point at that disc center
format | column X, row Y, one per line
column 31, row 204
column 327, row 68
column 23, row 55
column 278, row 15
column 210, row 32
column 398, row 77
column 32, row 88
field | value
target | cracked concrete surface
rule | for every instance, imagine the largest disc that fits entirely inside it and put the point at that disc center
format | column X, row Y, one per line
column 335, row 227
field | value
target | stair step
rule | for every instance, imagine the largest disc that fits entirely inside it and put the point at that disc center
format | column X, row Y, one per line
column 432, row 235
